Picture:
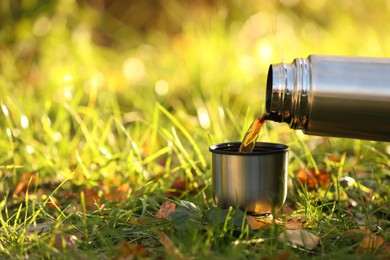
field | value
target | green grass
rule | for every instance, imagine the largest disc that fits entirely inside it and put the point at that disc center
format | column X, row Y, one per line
column 92, row 141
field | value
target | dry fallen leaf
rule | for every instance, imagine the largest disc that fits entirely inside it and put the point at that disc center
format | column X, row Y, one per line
column 354, row 232
column 53, row 203
column 178, row 187
column 137, row 221
column 286, row 255
column 313, row 179
column 288, row 209
column 295, row 222
column 169, row 247
column 299, row 238
column 115, row 192
column 64, row 241
column 167, row 243
column 91, row 198
column 25, row 180
column 257, row 223
column 166, row 209
column 262, row 222
column 291, row 223
column 40, row 227
column 131, row 251
column 385, row 249
column 371, row 242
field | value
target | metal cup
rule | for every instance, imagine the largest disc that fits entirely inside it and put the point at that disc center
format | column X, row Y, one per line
column 255, row 182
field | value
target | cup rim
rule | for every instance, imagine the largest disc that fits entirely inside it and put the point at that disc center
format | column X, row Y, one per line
column 261, row 148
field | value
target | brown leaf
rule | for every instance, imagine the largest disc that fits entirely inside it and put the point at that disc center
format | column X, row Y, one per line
column 53, row 203
column 296, row 222
column 288, row 209
column 166, row 209
column 91, row 197
column 115, row 192
column 385, row 249
column 291, row 223
column 255, row 223
column 167, row 243
column 333, row 158
column 261, row 222
column 299, row 238
column 137, row 221
column 313, row 179
column 131, row 251
column 180, row 186
column 370, row 243
column 25, row 180
column 285, row 255
column 355, row 232
column 64, row 241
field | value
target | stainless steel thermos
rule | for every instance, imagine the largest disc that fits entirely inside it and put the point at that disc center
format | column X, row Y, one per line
column 332, row 96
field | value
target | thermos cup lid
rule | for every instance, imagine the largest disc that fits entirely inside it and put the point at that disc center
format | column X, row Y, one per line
column 260, row 148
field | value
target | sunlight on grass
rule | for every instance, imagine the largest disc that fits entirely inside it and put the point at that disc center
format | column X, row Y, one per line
column 108, row 110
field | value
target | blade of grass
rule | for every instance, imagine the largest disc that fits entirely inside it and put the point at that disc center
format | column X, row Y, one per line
column 308, row 153
column 17, row 215
column 84, row 212
column 103, row 134
column 155, row 127
column 86, row 133
column 186, row 134
column 156, row 155
column 233, row 119
column 181, row 153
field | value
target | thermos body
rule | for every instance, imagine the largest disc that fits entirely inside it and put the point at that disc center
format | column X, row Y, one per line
column 332, row 96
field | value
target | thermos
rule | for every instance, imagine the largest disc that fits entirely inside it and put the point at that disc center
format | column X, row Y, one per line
column 332, row 96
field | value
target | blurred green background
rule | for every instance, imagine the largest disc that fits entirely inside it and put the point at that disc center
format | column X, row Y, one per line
column 183, row 54
column 79, row 80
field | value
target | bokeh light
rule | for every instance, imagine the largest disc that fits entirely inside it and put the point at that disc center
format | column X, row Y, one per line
column 133, row 69
column 24, row 121
column 5, row 110
column 204, row 118
column 264, row 51
column 42, row 26
column 161, row 87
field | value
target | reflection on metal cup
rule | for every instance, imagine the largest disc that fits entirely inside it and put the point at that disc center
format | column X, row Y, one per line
column 255, row 182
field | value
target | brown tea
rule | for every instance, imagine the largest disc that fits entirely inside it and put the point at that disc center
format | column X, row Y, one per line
column 249, row 141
